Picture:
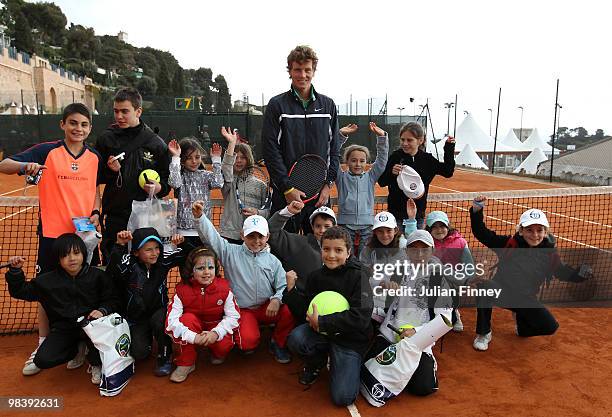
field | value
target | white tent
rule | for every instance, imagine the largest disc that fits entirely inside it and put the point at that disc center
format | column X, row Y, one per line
column 535, row 140
column 469, row 132
column 468, row 157
column 530, row 164
column 511, row 140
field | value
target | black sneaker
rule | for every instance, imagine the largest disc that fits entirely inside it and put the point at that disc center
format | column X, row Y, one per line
column 309, row 375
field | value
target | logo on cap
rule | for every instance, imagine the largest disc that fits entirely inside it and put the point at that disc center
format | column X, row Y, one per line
column 413, row 186
column 534, row 215
column 383, row 217
column 255, row 221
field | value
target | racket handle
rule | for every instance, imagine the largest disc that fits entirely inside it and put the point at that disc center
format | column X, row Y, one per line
column 395, row 329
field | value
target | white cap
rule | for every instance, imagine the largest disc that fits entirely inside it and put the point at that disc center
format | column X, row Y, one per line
column 533, row 216
column 420, row 236
column 409, row 181
column 255, row 223
column 323, row 210
column 384, row 219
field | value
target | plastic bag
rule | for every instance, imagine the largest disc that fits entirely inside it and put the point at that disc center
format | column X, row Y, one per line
column 111, row 336
column 87, row 231
column 158, row 214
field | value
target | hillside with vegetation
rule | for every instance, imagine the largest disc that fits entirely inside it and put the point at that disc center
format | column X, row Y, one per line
column 42, row 29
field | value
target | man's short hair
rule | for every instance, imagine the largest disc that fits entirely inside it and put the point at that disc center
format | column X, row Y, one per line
column 73, row 108
column 129, row 94
column 302, row 53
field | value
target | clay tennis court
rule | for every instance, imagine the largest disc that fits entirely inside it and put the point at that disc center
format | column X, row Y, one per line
column 563, row 375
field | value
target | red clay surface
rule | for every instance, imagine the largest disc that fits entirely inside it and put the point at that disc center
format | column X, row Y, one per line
column 562, row 375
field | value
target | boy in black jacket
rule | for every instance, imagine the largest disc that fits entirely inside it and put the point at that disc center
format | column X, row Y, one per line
column 343, row 336
column 141, row 280
column 412, row 153
column 70, row 291
column 142, row 149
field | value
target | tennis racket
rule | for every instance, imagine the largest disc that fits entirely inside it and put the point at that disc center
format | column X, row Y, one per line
column 253, row 188
column 308, row 175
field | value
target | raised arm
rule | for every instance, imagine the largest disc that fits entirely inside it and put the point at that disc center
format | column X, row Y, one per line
column 382, row 153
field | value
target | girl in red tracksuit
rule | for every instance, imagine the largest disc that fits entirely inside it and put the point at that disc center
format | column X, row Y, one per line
column 203, row 312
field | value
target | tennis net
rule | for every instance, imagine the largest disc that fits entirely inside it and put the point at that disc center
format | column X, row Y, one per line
column 580, row 218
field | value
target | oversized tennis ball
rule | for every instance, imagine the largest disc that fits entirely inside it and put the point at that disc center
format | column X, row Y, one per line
column 151, row 175
column 329, row 302
column 402, row 328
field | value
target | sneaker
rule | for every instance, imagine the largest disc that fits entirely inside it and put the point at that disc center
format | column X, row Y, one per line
column 281, row 355
column 164, row 366
column 458, row 326
column 30, row 367
column 216, row 361
column 481, row 342
column 79, row 359
column 181, row 373
column 96, row 374
column 309, row 375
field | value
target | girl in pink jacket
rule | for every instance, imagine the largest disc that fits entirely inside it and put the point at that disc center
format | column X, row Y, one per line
column 452, row 249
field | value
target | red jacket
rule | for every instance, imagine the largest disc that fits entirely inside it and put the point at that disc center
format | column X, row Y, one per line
column 213, row 305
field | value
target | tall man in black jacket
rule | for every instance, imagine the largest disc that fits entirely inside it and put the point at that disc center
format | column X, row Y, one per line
column 143, row 149
column 298, row 122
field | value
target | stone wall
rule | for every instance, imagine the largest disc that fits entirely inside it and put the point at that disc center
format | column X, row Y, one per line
column 30, row 79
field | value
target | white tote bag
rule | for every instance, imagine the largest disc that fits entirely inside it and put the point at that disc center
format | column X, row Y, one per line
column 111, row 336
column 386, row 375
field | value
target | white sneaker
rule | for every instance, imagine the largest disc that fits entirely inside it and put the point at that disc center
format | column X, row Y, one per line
column 181, row 373
column 216, row 361
column 482, row 342
column 79, row 359
column 458, row 326
column 96, row 374
column 30, row 367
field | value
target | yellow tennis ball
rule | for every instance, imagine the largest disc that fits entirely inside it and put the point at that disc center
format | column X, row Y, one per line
column 402, row 328
column 151, row 175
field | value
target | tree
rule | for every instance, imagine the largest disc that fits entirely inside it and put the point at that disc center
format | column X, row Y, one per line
column 81, row 43
column 178, row 83
column 148, row 62
column 164, row 88
column 23, row 34
column 48, row 19
column 599, row 134
column 224, row 100
column 147, row 86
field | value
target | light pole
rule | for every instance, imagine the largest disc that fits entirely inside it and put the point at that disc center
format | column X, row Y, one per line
column 490, row 120
column 448, row 106
column 400, row 110
column 521, row 129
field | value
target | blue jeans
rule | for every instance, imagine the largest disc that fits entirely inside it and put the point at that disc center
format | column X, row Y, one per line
column 345, row 364
column 364, row 236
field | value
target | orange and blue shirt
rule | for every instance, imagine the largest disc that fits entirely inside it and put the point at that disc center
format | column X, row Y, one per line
column 67, row 187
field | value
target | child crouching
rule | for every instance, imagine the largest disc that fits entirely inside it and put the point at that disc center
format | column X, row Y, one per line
column 71, row 290
column 203, row 312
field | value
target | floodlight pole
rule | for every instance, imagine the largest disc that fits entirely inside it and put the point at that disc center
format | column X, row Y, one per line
column 448, row 106
column 400, row 110
column 521, row 129
column 490, row 120
column 552, row 144
column 455, row 125
column 496, row 126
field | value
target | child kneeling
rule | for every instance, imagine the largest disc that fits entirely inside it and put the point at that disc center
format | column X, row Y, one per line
column 71, row 290
column 343, row 336
column 203, row 312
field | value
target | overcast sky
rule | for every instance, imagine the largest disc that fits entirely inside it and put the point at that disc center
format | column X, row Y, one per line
column 428, row 49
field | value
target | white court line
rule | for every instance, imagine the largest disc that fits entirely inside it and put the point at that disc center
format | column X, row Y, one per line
column 14, row 214
column 14, row 191
column 557, row 236
column 353, row 410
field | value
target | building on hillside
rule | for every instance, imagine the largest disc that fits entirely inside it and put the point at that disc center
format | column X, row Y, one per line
column 589, row 165
column 122, row 36
column 34, row 82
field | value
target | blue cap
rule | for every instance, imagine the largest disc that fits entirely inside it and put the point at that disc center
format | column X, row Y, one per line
column 437, row 216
